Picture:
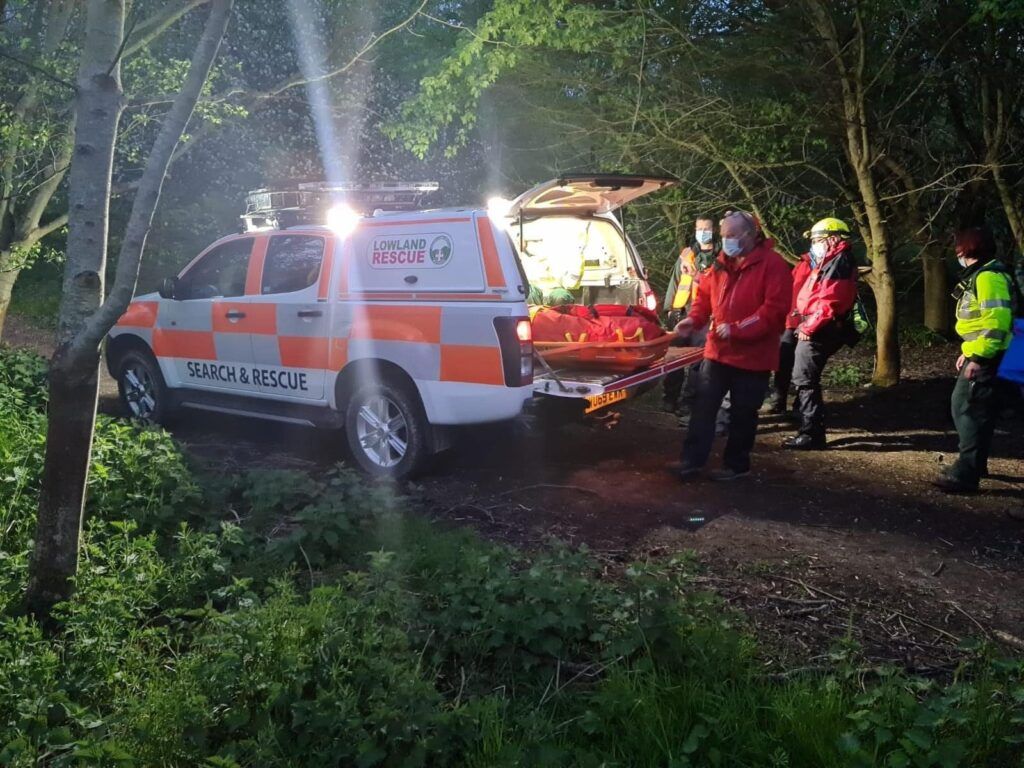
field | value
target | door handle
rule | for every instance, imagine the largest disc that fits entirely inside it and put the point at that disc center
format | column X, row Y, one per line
column 310, row 313
column 234, row 314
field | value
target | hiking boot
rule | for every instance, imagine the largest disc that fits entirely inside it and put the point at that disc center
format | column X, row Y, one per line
column 726, row 474
column 773, row 406
column 804, row 443
column 951, row 484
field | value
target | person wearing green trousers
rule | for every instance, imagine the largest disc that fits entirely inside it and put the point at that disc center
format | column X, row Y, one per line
column 984, row 319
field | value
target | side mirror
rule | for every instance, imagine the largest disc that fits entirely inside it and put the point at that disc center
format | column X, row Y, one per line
column 169, row 288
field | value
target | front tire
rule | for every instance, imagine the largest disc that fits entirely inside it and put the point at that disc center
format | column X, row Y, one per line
column 386, row 429
column 142, row 388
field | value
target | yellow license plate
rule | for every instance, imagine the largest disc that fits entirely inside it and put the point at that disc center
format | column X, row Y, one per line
column 596, row 402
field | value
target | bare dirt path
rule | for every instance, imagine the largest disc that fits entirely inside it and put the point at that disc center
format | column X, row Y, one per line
column 852, row 543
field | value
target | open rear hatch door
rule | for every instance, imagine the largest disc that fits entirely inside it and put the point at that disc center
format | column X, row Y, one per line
column 586, row 194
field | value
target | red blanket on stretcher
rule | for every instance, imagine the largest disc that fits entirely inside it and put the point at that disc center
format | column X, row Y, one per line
column 601, row 322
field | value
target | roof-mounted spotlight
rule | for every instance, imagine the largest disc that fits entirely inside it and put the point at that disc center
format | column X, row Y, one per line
column 498, row 208
column 342, row 219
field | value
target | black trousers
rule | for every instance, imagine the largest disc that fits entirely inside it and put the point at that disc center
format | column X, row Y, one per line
column 783, row 376
column 746, row 390
column 976, row 406
column 809, row 361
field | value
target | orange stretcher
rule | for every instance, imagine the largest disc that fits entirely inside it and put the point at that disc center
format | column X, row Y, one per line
column 624, row 356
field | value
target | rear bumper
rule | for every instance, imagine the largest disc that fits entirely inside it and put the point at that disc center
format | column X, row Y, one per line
column 451, row 403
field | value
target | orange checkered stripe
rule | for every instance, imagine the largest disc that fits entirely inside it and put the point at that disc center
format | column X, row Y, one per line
column 434, row 343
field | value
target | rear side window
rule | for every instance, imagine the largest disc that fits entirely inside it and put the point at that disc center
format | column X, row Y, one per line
column 220, row 273
column 292, row 263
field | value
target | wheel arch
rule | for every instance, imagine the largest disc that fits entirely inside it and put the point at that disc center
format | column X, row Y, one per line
column 118, row 346
column 370, row 368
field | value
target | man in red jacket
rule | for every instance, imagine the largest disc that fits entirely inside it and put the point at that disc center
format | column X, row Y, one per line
column 825, row 309
column 778, row 399
column 743, row 299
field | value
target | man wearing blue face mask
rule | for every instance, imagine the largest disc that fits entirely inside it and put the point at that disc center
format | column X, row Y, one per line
column 679, row 295
column 743, row 301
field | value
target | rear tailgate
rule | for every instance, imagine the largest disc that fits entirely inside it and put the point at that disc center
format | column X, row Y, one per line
column 601, row 389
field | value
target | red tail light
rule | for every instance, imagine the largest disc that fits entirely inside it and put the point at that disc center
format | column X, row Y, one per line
column 515, row 338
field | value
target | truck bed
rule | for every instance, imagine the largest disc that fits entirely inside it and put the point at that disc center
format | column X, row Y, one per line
column 580, row 383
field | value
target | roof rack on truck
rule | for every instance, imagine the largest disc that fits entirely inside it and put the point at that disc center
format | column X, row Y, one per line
column 307, row 203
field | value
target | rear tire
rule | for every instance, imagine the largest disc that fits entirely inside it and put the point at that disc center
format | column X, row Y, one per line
column 142, row 388
column 386, row 429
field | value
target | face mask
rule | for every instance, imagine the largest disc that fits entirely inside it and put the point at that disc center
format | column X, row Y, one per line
column 962, row 262
column 732, row 246
column 703, row 236
column 818, row 252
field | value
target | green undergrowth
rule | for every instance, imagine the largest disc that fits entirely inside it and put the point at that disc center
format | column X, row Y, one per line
column 275, row 619
column 36, row 294
column 849, row 374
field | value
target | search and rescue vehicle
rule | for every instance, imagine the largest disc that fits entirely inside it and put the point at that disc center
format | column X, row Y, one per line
column 350, row 307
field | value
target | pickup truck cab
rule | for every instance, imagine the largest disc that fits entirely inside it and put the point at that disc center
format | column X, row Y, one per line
column 391, row 325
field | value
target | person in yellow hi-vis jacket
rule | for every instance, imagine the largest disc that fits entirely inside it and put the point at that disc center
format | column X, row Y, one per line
column 682, row 287
column 984, row 320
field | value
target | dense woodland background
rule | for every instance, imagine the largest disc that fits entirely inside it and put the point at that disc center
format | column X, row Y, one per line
column 903, row 117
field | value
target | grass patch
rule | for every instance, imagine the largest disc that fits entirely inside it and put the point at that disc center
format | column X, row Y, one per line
column 36, row 295
column 845, row 375
column 276, row 619
column 920, row 337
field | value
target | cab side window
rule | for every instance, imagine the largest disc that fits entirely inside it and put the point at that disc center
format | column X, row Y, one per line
column 220, row 273
column 292, row 263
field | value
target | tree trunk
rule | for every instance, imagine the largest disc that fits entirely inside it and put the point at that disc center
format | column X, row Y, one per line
column 883, row 285
column 72, row 417
column 1010, row 207
column 856, row 119
column 141, row 218
column 7, row 281
column 85, row 318
column 887, row 355
column 74, row 368
column 937, row 310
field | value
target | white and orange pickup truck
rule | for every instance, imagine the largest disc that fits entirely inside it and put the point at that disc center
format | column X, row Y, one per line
column 391, row 325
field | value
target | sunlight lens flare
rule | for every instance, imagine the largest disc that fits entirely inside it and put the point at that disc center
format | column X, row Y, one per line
column 498, row 208
column 342, row 219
